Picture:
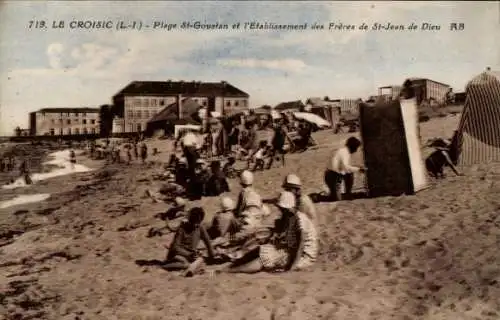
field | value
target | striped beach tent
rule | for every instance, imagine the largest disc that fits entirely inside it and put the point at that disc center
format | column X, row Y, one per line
column 477, row 139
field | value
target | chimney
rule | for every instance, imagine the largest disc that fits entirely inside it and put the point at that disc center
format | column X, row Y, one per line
column 179, row 106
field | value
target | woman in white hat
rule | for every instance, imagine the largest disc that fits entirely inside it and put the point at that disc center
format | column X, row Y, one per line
column 304, row 203
column 291, row 246
column 223, row 219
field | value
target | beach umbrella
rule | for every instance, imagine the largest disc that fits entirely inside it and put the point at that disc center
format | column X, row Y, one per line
column 311, row 118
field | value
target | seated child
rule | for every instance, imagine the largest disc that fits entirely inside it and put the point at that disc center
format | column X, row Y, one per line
column 217, row 183
column 222, row 221
column 439, row 159
column 228, row 169
column 183, row 252
column 258, row 157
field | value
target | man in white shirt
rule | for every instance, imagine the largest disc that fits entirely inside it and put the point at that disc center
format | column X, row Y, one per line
column 189, row 143
column 340, row 170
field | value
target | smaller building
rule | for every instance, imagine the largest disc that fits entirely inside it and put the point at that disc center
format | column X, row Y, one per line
column 64, row 121
column 389, row 92
column 347, row 106
column 427, row 90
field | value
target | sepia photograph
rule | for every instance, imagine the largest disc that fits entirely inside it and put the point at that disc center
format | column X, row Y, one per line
column 252, row 160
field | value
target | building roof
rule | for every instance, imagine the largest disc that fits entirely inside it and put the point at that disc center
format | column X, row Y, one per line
column 425, row 79
column 170, row 112
column 192, row 88
column 71, row 110
column 290, row 105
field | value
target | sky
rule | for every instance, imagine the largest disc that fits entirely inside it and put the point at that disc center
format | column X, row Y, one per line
column 67, row 67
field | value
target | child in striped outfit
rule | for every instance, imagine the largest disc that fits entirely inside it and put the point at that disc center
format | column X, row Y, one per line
column 293, row 246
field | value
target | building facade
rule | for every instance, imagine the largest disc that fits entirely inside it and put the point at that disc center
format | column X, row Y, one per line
column 64, row 121
column 427, row 90
column 347, row 106
column 389, row 92
column 140, row 101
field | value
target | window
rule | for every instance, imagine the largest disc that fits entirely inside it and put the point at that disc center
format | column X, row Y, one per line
column 137, row 102
column 61, row 121
column 69, row 131
column 92, row 121
column 52, row 132
column 76, row 114
column 84, row 114
column 139, row 127
column 93, row 130
column 43, row 114
column 236, row 103
column 205, row 103
column 67, row 114
column 146, row 114
column 245, row 103
column 85, row 131
column 68, row 121
column 162, row 102
column 130, row 114
column 53, row 121
column 77, row 131
column 130, row 128
column 61, row 131
column 138, row 114
column 228, row 103
column 84, row 121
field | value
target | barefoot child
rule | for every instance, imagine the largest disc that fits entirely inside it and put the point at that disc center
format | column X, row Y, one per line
column 183, row 252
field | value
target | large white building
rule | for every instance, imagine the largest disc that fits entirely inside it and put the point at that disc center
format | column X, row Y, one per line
column 139, row 101
column 64, row 121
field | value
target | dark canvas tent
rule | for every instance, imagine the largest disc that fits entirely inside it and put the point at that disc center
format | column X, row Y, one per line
column 391, row 147
column 477, row 138
column 170, row 116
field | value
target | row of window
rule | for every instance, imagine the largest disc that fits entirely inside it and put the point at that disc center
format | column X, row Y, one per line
column 65, row 114
column 160, row 102
column 140, row 114
column 52, row 131
column 84, row 121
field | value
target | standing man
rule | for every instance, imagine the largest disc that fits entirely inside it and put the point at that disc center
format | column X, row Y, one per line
column 340, row 170
column 278, row 144
column 189, row 143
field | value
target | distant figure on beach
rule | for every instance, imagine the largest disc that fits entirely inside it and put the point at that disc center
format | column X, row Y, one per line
column 278, row 144
column 129, row 154
column 24, row 171
column 440, row 159
column 340, row 170
column 72, row 158
column 136, row 152
column 144, row 152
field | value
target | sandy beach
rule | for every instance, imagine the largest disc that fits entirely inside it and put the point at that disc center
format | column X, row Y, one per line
column 433, row 255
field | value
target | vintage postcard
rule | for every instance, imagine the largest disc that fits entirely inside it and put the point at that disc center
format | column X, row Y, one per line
column 249, row 160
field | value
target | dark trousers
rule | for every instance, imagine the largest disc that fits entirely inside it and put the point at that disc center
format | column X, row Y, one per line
column 334, row 182
column 191, row 156
column 276, row 151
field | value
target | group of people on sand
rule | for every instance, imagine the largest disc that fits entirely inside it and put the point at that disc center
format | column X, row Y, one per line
column 112, row 152
column 239, row 234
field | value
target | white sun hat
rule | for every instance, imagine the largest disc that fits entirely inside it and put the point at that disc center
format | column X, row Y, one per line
column 246, row 178
column 286, row 200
